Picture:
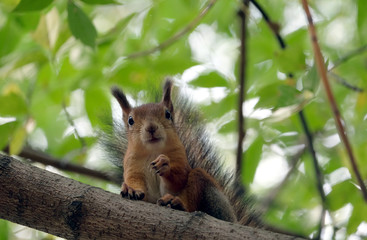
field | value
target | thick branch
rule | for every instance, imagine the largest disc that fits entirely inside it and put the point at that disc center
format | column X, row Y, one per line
column 330, row 96
column 64, row 207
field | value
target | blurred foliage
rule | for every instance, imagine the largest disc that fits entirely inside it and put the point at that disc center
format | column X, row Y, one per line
column 63, row 55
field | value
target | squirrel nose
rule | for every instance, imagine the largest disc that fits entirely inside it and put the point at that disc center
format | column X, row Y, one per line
column 151, row 129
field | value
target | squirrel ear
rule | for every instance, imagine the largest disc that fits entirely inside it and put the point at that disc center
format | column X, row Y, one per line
column 166, row 100
column 122, row 100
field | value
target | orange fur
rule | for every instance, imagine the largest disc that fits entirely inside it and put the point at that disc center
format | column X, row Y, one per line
column 156, row 168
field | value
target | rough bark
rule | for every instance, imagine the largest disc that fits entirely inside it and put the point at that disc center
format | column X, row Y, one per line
column 67, row 208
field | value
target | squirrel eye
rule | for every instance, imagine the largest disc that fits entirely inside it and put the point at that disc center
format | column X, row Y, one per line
column 168, row 115
column 130, row 121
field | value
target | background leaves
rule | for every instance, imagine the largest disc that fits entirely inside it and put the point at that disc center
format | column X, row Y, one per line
column 58, row 60
column 29, row 5
column 80, row 25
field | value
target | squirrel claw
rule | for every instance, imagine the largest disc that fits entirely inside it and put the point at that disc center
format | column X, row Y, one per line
column 161, row 165
column 130, row 193
column 172, row 202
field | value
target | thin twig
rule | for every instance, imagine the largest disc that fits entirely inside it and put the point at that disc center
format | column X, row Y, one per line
column 71, row 122
column 337, row 116
column 269, row 199
column 342, row 60
column 242, row 91
column 273, row 26
column 304, row 123
column 348, row 56
column 343, row 82
column 275, row 29
column 46, row 159
column 177, row 36
column 318, row 173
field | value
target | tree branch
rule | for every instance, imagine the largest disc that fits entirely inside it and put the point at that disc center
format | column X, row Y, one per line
column 349, row 56
column 177, row 36
column 271, row 195
column 46, row 159
column 330, row 96
column 66, row 208
column 242, row 90
column 343, row 82
column 71, row 122
column 342, row 60
column 319, row 175
column 304, row 124
column 272, row 25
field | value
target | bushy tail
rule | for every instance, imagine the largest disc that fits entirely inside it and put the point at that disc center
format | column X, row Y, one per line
column 200, row 152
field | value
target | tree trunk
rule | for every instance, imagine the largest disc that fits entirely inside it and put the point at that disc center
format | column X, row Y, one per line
column 67, row 208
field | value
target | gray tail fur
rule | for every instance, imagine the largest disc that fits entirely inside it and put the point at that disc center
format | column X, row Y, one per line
column 200, row 152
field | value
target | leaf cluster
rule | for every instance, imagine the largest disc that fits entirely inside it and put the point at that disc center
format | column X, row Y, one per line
column 59, row 58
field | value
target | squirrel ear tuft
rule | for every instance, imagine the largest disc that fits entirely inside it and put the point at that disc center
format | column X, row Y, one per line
column 166, row 100
column 121, row 98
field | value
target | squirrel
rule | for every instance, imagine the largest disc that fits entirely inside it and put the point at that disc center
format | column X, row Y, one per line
column 168, row 160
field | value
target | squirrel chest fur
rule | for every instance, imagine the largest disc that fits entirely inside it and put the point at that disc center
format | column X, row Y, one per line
column 151, row 139
column 156, row 168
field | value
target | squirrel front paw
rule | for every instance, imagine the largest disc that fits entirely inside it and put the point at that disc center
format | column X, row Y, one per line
column 172, row 202
column 130, row 193
column 161, row 165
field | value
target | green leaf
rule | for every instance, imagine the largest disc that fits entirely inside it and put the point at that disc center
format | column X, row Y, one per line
column 10, row 35
column 288, row 96
column 81, row 26
column 97, row 102
column 68, row 144
column 17, row 141
column 51, row 121
column 6, row 131
column 358, row 216
column 278, row 95
column 32, row 5
column 228, row 127
column 268, row 96
column 13, row 105
column 264, row 43
column 291, row 60
column 311, row 79
column 210, row 80
column 217, row 110
column 4, row 229
column 362, row 19
column 102, row 2
column 252, row 157
column 340, row 195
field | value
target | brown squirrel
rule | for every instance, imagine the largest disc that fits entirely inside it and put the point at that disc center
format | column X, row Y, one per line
column 164, row 161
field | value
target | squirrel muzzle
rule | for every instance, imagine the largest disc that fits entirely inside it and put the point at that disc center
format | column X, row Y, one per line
column 153, row 133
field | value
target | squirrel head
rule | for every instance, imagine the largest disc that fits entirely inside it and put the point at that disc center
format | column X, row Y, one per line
column 149, row 126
